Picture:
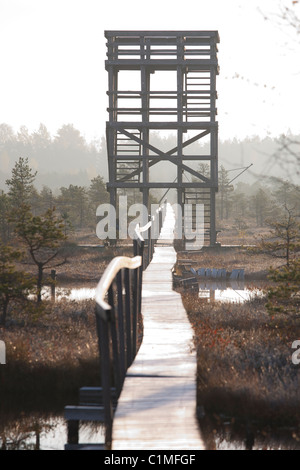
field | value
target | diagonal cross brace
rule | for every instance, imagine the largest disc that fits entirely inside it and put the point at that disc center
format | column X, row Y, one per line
column 165, row 155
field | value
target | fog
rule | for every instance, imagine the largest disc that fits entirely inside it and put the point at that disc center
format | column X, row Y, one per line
column 67, row 158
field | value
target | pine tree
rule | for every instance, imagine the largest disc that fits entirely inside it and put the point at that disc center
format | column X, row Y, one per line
column 20, row 185
column 43, row 237
column 285, row 296
column 15, row 284
column 73, row 201
column 224, row 194
column 4, row 218
column 97, row 195
column 261, row 204
column 283, row 240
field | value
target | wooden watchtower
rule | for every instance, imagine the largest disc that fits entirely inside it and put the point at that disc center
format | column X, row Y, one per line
column 163, row 81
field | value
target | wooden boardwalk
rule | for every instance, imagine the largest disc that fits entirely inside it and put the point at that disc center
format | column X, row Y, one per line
column 157, row 406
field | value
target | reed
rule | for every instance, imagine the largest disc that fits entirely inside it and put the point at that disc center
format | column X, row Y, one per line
column 245, row 369
column 49, row 357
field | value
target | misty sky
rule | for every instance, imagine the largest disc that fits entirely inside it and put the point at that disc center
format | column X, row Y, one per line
column 53, row 53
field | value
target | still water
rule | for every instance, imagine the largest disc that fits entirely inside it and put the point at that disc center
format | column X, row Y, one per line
column 69, row 293
column 235, row 292
column 40, row 433
column 229, row 295
column 44, row 433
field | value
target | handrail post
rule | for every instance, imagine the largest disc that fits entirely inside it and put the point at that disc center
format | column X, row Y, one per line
column 135, row 247
column 116, row 325
column 150, row 245
column 140, row 280
column 121, row 329
column 135, row 311
column 128, row 316
column 138, row 249
column 102, row 326
column 115, row 343
column 134, row 314
column 160, row 221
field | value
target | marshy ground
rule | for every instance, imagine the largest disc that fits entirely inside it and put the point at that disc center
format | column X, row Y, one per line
column 247, row 384
column 248, row 387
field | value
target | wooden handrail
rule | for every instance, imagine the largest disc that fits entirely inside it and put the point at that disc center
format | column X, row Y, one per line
column 139, row 230
column 139, row 239
column 143, row 229
column 117, row 316
column 118, row 263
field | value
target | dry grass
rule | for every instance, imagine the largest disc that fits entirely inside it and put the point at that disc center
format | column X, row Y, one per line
column 52, row 350
column 245, row 370
column 256, row 265
column 80, row 264
column 49, row 358
column 62, row 333
column 231, row 234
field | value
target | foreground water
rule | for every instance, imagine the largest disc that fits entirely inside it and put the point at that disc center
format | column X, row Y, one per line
column 45, row 433
column 210, row 291
column 40, row 433
column 70, row 293
column 237, row 294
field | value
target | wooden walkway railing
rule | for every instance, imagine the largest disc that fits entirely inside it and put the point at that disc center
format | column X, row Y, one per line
column 157, row 405
column 147, row 400
column 117, row 317
column 118, row 301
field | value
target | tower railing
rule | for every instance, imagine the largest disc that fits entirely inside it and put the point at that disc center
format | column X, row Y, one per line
column 163, row 81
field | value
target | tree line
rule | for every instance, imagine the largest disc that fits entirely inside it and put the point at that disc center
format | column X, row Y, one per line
column 75, row 204
column 275, row 205
column 56, row 158
column 259, row 202
column 67, row 157
column 35, row 225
